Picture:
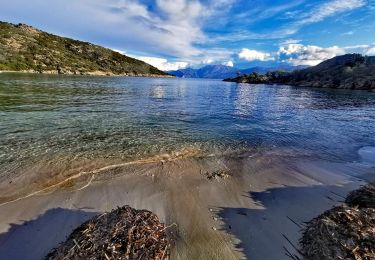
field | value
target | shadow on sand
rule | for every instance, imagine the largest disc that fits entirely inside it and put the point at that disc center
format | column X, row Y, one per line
column 272, row 230
column 34, row 239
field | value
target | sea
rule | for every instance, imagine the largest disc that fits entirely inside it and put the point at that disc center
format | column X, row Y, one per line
column 57, row 120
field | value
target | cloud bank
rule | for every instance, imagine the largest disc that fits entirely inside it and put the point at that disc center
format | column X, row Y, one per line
column 310, row 55
column 173, row 34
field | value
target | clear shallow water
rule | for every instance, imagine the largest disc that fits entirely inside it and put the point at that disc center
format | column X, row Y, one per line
column 51, row 117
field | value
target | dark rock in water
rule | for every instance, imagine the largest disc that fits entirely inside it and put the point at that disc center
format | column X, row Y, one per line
column 124, row 233
column 351, row 71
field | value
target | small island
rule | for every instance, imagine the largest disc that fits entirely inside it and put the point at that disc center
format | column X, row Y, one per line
column 350, row 71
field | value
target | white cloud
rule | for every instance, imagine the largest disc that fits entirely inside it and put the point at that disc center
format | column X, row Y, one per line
column 253, row 55
column 167, row 27
column 162, row 64
column 360, row 46
column 330, row 8
column 208, row 61
column 228, row 63
column 119, row 51
column 371, row 51
column 290, row 41
column 211, row 56
column 299, row 18
column 289, row 49
column 298, row 54
column 348, row 33
column 321, row 12
column 170, row 28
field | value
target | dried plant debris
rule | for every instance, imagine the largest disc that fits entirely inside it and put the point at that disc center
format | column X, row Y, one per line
column 124, row 233
column 344, row 232
column 363, row 197
column 217, row 175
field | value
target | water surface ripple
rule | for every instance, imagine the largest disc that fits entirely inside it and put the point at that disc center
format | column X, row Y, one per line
column 99, row 118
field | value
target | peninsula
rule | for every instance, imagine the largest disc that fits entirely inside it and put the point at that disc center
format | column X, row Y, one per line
column 350, row 71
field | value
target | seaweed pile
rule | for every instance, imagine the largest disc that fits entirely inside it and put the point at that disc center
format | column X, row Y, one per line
column 124, row 233
column 216, row 175
column 344, row 232
column 363, row 197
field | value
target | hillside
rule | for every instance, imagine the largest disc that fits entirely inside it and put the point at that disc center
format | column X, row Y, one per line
column 206, row 72
column 24, row 48
column 222, row 71
column 350, row 71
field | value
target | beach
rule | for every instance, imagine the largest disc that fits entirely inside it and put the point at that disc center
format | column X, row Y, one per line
column 232, row 170
column 256, row 212
column 190, row 129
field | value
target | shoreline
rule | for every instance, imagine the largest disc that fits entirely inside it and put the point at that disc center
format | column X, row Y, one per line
column 93, row 73
column 303, row 86
column 264, row 199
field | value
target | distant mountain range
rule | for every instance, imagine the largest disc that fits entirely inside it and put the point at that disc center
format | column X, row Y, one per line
column 350, row 71
column 222, row 71
column 27, row 49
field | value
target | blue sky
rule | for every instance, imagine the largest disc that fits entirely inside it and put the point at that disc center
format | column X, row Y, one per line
column 173, row 34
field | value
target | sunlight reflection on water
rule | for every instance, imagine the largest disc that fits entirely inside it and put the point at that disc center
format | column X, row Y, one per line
column 99, row 118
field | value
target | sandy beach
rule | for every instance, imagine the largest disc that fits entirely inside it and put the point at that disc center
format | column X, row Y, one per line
column 256, row 213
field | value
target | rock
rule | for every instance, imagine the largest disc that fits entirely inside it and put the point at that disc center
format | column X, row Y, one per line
column 350, row 71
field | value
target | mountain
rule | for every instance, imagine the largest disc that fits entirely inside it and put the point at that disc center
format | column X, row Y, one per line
column 207, row 72
column 350, row 71
column 27, row 49
column 222, row 71
column 281, row 67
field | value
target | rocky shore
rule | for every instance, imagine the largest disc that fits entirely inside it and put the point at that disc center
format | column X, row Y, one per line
column 88, row 73
column 351, row 71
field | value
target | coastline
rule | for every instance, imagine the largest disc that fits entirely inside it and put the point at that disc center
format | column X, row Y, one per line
column 294, row 85
column 92, row 73
column 267, row 197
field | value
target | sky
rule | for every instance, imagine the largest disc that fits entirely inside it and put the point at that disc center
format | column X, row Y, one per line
column 175, row 34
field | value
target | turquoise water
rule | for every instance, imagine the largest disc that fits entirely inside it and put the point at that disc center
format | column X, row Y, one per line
column 118, row 118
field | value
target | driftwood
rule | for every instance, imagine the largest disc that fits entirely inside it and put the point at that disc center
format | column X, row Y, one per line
column 344, row 232
column 124, row 233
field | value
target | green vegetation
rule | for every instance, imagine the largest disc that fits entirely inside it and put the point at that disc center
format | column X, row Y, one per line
column 351, row 71
column 24, row 48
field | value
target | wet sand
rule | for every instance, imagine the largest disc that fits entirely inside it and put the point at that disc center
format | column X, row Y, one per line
column 256, row 213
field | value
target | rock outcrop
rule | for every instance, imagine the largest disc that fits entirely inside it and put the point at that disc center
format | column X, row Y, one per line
column 350, row 71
